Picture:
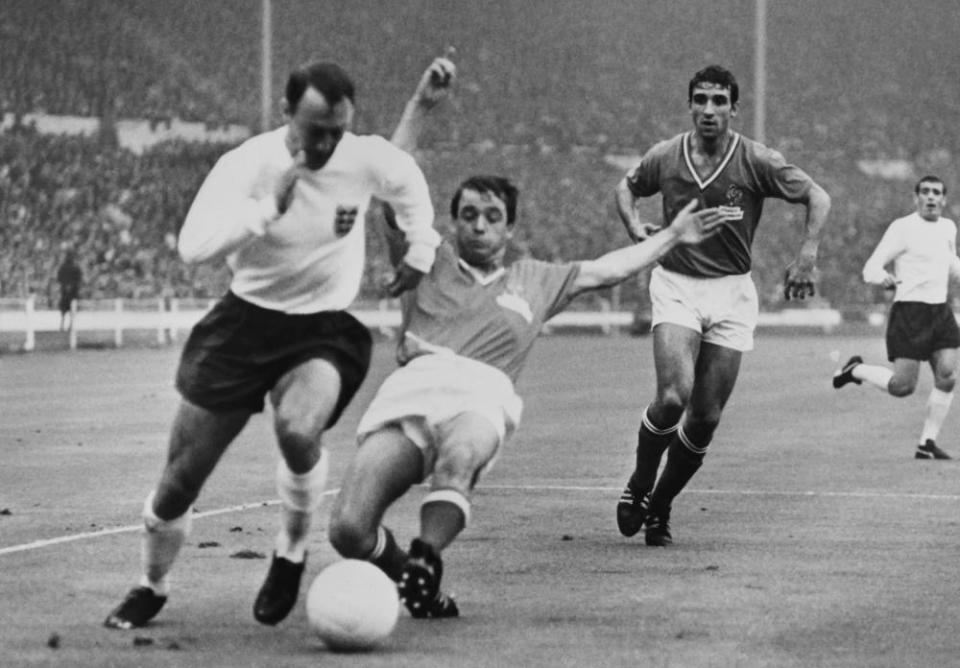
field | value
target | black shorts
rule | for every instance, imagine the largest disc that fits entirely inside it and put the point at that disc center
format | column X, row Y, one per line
column 236, row 354
column 916, row 329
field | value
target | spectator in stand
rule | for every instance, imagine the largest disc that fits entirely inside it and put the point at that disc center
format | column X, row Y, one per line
column 70, row 278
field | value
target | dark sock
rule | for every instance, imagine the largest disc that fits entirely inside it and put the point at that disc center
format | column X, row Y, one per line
column 681, row 464
column 391, row 557
column 650, row 447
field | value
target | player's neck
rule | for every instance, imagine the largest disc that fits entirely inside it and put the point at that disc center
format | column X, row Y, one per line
column 712, row 146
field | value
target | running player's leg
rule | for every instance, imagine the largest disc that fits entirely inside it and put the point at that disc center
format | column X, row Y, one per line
column 385, row 466
column 466, row 444
column 944, row 365
column 675, row 350
column 304, row 399
column 198, row 438
column 717, row 369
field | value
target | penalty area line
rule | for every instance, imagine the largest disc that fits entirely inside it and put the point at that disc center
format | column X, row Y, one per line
column 731, row 492
column 48, row 542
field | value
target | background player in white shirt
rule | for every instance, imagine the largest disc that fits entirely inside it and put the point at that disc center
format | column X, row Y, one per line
column 286, row 210
column 705, row 306
column 921, row 326
column 445, row 413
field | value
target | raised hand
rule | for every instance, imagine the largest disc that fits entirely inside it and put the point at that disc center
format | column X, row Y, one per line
column 437, row 80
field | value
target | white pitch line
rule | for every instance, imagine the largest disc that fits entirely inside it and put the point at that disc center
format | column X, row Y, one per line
column 36, row 545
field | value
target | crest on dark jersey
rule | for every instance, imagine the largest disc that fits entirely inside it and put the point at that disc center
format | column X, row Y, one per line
column 346, row 217
column 734, row 195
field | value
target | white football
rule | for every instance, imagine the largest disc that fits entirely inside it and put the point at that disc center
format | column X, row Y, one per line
column 352, row 605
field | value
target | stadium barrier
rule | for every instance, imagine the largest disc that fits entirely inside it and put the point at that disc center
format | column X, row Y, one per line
column 169, row 317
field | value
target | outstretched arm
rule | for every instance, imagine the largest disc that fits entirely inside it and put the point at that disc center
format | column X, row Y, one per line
column 689, row 227
column 801, row 273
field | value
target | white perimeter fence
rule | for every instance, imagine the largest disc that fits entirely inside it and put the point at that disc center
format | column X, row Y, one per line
column 169, row 317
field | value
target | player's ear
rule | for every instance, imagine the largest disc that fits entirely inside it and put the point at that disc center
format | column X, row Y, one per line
column 285, row 108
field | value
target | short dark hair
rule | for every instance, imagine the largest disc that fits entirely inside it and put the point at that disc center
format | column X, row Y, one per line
column 328, row 78
column 929, row 178
column 495, row 185
column 715, row 74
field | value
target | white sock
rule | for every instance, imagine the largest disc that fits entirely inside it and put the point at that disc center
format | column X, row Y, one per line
column 161, row 542
column 878, row 376
column 938, row 404
column 300, row 497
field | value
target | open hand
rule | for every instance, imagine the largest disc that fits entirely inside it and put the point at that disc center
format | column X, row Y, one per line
column 692, row 226
column 798, row 280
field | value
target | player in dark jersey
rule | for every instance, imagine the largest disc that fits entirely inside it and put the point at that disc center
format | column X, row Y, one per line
column 705, row 305
column 446, row 412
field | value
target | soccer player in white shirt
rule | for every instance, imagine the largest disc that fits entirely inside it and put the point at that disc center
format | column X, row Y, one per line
column 447, row 411
column 921, row 326
column 286, row 210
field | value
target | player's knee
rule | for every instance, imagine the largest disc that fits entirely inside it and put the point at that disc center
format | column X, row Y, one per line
column 173, row 498
column 350, row 537
column 901, row 387
column 298, row 431
column 671, row 403
column 945, row 380
column 457, row 468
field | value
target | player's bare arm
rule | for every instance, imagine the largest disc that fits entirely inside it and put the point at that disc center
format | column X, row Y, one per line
column 689, row 227
column 434, row 86
column 801, row 274
column 637, row 228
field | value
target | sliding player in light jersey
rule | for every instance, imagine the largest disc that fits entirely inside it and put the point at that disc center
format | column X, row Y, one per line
column 447, row 411
column 921, row 327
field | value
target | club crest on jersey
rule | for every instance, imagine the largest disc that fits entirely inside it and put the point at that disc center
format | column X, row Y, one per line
column 346, row 217
column 517, row 304
column 734, row 205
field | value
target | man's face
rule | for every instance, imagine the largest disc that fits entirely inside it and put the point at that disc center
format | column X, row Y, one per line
column 711, row 110
column 482, row 229
column 930, row 199
column 316, row 127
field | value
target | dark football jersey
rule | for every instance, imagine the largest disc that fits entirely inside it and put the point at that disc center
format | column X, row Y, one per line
column 749, row 173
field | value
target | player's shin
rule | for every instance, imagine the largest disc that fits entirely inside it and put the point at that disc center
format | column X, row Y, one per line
column 300, row 497
column 684, row 458
column 652, row 441
column 443, row 515
column 938, row 405
column 162, row 540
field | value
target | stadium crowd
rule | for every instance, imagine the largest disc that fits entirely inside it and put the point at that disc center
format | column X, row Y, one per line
column 548, row 107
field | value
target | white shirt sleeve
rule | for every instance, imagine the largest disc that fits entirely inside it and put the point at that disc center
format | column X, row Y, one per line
column 404, row 187
column 887, row 250
column 224, row 215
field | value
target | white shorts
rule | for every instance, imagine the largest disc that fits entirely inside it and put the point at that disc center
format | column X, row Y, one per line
column 724, row 309
column 431, row 389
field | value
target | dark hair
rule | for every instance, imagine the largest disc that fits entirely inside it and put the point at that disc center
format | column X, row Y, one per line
column 328, row 78
column 495, row 185
column 718, row 75
column 929, row 178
